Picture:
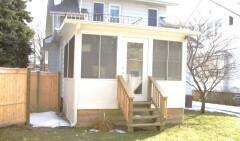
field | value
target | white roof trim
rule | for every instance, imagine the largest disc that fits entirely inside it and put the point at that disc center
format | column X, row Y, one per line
column 187, row 32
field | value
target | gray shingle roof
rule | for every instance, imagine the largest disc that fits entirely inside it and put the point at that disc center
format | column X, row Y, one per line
column 65, row 6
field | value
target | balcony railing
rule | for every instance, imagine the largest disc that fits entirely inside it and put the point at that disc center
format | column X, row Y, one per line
column 99, row 17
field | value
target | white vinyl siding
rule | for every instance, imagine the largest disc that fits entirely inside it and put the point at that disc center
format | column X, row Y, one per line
column 130, row 9
column 53, row 61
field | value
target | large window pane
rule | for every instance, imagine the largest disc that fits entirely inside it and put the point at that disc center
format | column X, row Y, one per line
column 108, row 57
column 174, row 63
column 71, row 58
column 90, row 56
column 65, row 60
column 160, row 50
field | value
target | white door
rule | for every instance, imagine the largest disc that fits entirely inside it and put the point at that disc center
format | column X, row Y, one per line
column 135, row 65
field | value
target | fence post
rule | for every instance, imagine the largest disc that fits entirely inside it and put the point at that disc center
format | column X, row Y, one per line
column 28, row 96
column 59, row 94
column 38, row 91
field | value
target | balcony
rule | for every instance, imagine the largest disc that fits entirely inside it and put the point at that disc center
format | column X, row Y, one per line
column 128, row 20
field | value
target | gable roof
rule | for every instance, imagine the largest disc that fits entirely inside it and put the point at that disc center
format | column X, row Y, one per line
column 65, row 6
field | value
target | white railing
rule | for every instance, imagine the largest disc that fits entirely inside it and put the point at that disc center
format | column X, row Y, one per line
column 104, row 18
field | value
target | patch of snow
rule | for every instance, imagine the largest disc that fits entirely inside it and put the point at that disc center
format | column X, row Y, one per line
column 230, row 110
column 119, row 131
column 112, row 131
column 47, row 119
column 137, row 116
column 93, row 130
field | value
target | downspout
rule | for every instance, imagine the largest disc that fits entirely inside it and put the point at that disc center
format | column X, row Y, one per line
column 80, row 6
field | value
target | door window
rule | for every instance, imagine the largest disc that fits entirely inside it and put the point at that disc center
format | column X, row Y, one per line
column 135, row 66
column 98, row 12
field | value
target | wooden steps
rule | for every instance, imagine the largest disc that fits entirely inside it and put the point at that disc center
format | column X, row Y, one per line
column 144, row 115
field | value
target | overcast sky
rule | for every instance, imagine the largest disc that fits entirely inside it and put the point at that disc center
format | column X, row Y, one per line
column 38, row 9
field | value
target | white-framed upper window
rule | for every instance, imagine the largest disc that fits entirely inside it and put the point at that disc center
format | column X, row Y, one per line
column 58, row 20
column 98, row 11
column 152, row 17
column 115, row 12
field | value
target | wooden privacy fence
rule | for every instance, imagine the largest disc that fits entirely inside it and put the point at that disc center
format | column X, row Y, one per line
column 13, row 96
column 22, row 91
column 224, row 98
column 44, row 92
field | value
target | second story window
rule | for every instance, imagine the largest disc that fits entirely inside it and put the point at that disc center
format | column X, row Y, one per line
column 98, row 12
column 114, row 11
column 152, row 17
column 230, row 20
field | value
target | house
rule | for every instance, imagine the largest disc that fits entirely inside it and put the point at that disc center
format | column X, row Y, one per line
column 118, row 59
column 223, row 17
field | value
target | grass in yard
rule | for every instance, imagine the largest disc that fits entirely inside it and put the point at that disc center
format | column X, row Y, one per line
column 207, row 127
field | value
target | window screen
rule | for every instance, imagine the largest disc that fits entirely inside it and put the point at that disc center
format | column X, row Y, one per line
column 167, row 60
column 90, row 56
column 160, row 49
column 99, row 56
column 71, row 58
column 65, row 60
column 174, row 62
column 108, row 57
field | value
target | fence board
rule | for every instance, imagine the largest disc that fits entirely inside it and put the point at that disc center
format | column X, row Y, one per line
column 13, row 89
column 33, row 89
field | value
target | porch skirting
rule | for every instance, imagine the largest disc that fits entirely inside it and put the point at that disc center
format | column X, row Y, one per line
column 87, row 117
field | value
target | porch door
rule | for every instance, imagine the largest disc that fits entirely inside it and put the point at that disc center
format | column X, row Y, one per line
column 136, row 67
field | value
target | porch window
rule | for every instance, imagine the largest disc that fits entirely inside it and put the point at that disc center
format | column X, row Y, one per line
column 167, row 60
column 69, row 58
column 114, row 13
column 99, row 56
column 98, row 11
column 152, row 17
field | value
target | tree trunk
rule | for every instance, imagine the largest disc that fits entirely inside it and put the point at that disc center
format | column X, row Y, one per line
column 202, row 111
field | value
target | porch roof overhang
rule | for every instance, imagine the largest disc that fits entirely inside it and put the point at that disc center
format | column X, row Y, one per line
column 118, row 27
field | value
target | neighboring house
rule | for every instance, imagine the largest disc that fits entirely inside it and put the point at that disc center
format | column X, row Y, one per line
column 96, row 43
column 223, row 17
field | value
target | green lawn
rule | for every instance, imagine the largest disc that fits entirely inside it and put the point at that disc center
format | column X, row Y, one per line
column 211, row 126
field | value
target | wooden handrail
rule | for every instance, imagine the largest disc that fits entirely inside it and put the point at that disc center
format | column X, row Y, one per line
column 156, row 94
column 125, row 99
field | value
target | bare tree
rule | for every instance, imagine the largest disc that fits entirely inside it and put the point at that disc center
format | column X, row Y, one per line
column 209, row 57
column 37, row 44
